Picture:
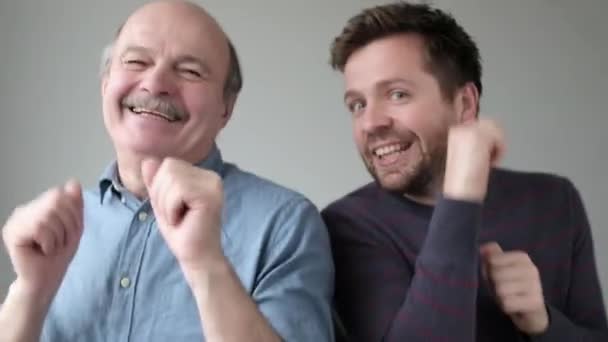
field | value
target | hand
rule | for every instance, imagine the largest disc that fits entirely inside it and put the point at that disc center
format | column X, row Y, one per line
column 187, row 203
column 516, row 284
column 42, row 237
column 472, row 149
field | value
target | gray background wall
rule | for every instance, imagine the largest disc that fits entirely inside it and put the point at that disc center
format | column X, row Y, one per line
column 545, row 80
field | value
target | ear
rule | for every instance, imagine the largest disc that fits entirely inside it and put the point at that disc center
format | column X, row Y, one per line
column 229, row 107
column 467, row 103
column 104, row 83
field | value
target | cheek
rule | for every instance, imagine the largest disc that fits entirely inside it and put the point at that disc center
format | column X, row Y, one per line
column 201, row 101
column 358, row 137
column 118, row 85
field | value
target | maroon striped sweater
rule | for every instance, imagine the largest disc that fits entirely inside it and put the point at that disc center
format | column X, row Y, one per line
column 410, row 272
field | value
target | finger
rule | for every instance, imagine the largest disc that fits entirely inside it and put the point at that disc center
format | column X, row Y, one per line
column 149, row 169
column 154, row 187
column 507, row 289
column 525, row 273
column 71, row 209
column 512, row 258
column 521, row 304
column 58, row 227
column 47, row 235
column 497, row 136
column 173, row 199
column 490, row 249
column 50, row 222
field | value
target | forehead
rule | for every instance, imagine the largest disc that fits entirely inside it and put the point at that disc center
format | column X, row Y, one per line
column 175, row 32
column 397, row 56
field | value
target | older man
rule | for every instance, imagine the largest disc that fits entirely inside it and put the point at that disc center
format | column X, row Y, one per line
column 175, row 244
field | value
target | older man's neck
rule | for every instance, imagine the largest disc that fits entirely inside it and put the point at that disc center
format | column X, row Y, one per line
column 129, row 171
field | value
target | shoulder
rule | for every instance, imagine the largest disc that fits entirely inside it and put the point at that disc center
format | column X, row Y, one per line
column 364, row 197
column 509, row 182
column 359, row 214
column 246, row 188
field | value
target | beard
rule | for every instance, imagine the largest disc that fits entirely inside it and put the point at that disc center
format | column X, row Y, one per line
column 417, row 176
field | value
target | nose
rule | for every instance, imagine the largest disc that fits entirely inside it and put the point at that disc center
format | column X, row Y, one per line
column 158, row 81
column 375, row 119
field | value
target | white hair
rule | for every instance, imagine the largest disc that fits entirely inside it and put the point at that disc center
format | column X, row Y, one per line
column 106, row 59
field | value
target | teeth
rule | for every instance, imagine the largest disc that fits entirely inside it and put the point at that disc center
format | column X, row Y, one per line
column 139, row 110
column 384, row 150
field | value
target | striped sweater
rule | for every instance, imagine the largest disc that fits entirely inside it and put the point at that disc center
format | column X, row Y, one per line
column 410, row 272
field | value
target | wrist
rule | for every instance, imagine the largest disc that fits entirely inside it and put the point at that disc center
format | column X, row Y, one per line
column 202, row 274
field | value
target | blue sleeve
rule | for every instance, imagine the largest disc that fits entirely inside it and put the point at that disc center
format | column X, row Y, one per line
column 294, row 289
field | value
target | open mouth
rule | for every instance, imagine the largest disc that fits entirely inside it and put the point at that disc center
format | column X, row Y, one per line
column 391, row 150
column 156, row 114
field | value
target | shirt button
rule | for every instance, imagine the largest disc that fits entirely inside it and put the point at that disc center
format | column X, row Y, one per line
column 142, row 216
column 123, row 199
column 125, row 282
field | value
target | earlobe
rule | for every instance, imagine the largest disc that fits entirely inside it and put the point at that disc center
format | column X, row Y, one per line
column 468, row 103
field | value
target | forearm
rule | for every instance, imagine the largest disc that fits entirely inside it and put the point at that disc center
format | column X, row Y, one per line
column 227, row 312
column 442, row 296
column 22, row 315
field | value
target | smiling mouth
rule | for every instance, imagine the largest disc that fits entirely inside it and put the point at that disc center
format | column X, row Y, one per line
column 143, row 111
column 389, row 150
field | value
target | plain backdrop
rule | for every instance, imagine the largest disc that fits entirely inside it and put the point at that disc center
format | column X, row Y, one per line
column 544, row 80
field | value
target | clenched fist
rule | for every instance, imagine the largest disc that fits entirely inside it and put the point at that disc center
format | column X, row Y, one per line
column 516, row 284
column 42, row 236
column 187, row 203
column 473, row 148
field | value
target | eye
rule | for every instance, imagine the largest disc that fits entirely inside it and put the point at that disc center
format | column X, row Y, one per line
column 190, row 73
column 398, row 95
column 355, row 106
column 135, row 63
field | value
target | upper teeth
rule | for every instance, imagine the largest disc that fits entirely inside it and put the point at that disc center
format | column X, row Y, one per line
column 384, row 150
column 140, row 110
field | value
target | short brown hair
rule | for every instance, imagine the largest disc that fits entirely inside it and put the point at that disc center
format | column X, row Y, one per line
column 453, row 57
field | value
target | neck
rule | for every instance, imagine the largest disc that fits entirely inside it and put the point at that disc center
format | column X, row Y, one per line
column 129, row 171
column 431, row 194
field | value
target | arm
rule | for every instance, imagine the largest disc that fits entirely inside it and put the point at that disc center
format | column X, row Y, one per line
column 293, row 287
column 438, row 299
column 380, row 299
column 41, row 238
column 226, row 310
column 22, row 315
column 584, row 317
column 296, row 282
column 293, row 292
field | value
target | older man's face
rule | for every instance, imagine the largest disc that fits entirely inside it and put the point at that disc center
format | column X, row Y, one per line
column 163, row 91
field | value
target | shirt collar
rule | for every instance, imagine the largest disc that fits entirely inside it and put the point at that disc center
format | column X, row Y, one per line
column 109, row 179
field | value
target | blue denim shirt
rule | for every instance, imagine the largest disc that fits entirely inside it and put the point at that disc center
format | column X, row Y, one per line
column 124, row 284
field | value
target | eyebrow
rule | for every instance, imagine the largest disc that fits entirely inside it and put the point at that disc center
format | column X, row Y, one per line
column 180, row 60
column 381, row 84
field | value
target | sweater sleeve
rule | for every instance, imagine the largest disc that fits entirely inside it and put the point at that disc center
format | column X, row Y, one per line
column 584, row 317
column 381, row 298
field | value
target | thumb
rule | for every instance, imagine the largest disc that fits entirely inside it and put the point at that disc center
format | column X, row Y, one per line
column 73, row 189
column 489, row 249
column 149, row 167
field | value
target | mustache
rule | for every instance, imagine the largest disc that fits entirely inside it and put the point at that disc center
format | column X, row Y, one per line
column 157, row 104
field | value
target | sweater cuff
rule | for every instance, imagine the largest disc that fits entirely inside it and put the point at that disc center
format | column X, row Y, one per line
column 560, row 328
